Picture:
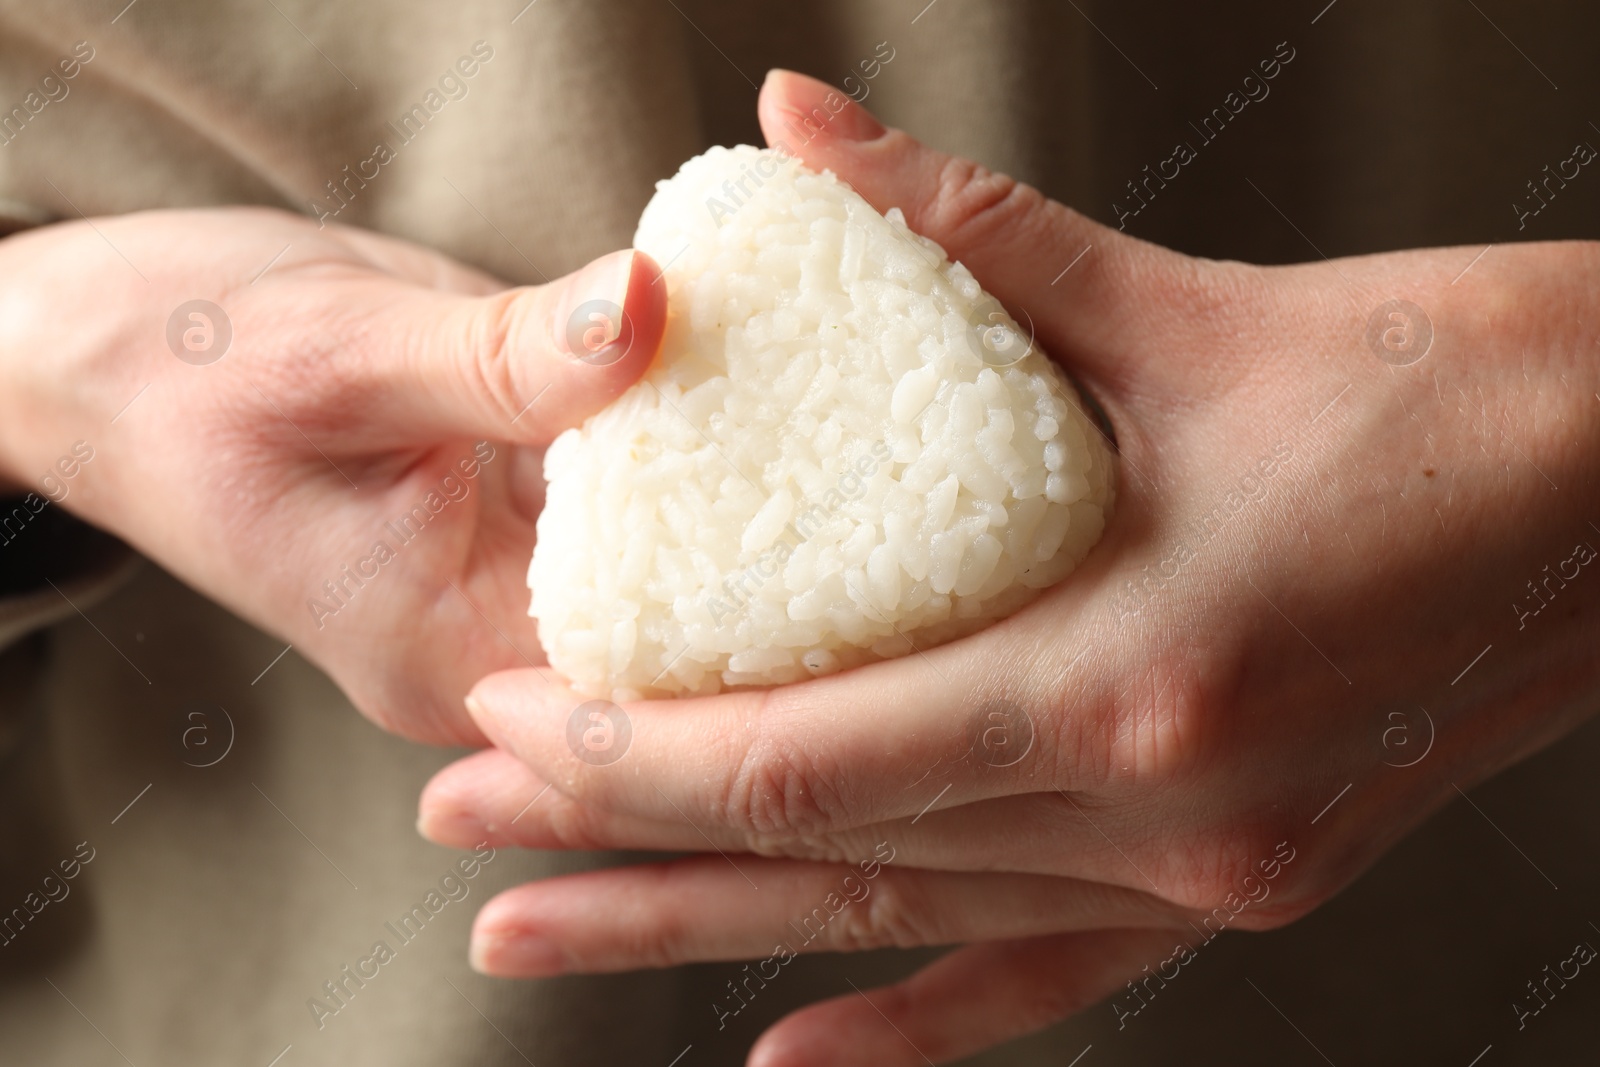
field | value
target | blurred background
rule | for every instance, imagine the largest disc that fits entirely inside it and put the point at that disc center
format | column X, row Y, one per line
column 1387, row 126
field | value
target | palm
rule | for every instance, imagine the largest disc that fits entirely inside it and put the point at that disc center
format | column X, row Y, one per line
column 352, row 406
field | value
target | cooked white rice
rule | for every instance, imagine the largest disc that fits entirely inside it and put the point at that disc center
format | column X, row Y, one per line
column 838, row 456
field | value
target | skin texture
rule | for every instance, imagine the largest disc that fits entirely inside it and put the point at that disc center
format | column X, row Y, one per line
column 1318, row 576
column 361, row 372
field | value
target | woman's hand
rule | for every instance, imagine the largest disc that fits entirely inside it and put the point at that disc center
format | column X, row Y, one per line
column 302, row 424
column 1351, row 571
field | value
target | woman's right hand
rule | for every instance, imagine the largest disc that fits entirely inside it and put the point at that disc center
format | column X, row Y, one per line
column 333, row 433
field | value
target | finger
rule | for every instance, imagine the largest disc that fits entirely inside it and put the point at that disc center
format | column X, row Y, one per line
column 492, row 797
column 970, row 1000
column 727, row 908
column 881, row 742
column 1022, row 246
column 413, row 364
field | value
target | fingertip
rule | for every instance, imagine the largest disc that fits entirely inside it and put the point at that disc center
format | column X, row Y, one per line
column 614, row 316
column 495, row 705
column 645, row 315
column 1004, row 232
column 504, row 914
column 796, row 111
column 455, row 829
column 508, row 943
column 774, row 1052
column 478, row 710
column 836, row 1033
column 596, row 332
column 777, row 90
column 514, row 709
column 476, row 961
column 780, row 1047
column 446, row 809
column 504, row 693
column 782, row 92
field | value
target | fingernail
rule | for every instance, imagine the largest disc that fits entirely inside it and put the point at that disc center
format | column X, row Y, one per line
column 816, row 107
column 597, row 330
column 456, row 829
column 515, row 955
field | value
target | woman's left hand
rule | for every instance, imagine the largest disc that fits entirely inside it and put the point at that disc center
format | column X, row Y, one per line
column 1343, row 580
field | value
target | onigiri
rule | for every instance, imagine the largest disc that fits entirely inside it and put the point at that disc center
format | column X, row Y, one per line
column 846, row 451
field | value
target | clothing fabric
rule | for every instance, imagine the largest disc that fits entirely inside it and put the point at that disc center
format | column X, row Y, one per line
column 239, row 837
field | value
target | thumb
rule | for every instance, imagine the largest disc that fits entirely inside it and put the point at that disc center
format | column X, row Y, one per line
column 519, row 365
column 1087, row 288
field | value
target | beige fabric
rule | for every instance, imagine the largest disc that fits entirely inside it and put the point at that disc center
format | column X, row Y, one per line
column 219, row 902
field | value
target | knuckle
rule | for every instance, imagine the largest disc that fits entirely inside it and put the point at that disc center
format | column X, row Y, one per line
column 777, row 791
column 896, row 914
column 1228, row 874
column 1156, row 726
column 497, row 327
column 814, row 848
column 589, row 787
column 971, row 203
column 576, row 827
